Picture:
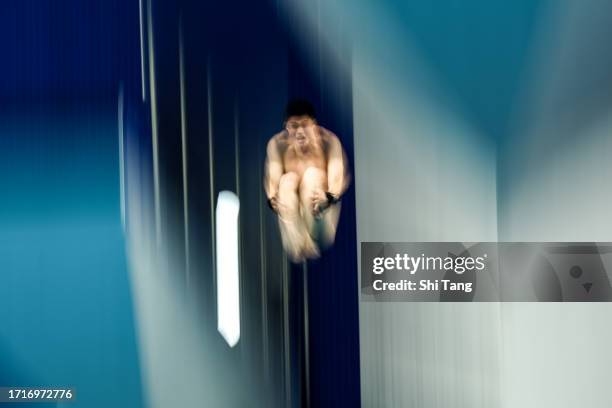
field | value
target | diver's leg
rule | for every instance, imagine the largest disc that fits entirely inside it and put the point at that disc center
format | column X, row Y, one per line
column 327, row 225
column 321, row 227
column 314, row 182
column 293, row 232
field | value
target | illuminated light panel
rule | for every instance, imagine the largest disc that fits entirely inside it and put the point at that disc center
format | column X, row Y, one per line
column 228, row 281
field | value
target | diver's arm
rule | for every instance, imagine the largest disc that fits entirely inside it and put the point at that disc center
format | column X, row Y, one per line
column 273, row 169
column 338, row 177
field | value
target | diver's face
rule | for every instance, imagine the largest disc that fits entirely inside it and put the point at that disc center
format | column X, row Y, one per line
column 301, row 129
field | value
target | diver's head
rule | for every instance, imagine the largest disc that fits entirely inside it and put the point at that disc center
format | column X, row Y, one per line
column 300, row 121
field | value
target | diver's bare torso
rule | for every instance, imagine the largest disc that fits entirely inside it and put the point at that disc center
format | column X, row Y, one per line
column 296, row 159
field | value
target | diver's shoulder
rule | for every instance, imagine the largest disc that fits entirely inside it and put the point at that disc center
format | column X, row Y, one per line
column 327, row 135
column 278, row 140
column 279, row 137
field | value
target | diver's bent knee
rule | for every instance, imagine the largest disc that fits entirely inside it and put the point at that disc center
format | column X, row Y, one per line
column 314, row 177
column 289, row 182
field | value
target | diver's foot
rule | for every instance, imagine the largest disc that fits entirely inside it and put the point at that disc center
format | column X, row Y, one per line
column 295, row 256
column 311, row 250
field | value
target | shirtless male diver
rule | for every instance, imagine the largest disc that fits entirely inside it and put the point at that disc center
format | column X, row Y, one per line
column 306, row 173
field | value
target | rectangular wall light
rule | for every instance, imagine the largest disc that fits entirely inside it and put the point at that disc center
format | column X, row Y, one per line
column 228, row 280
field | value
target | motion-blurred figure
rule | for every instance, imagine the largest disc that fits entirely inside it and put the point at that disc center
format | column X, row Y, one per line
column 306, row 174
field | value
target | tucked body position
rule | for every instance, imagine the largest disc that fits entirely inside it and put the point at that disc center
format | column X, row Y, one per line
column 306, row 173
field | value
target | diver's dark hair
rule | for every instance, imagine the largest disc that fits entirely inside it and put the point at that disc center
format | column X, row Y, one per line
column 299, row 107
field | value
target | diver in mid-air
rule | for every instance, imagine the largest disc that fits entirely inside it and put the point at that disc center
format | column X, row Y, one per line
column 305, row 176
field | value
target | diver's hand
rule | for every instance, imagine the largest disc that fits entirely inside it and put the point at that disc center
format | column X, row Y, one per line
column 319, row 202
column 273, row 204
